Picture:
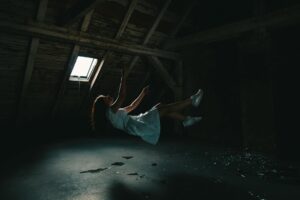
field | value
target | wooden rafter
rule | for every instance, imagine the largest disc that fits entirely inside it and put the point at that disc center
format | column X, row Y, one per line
column 83, row 39
column 183, row 18
column 284, row 17
column 150, row 33
column 126, row 19
column 30, row 60
column 72, row 60
column 145, row 7
column 77, row 11
column 120, row 32
column 175, row 30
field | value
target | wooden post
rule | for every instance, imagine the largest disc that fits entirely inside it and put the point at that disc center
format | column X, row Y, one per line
column 30, row 62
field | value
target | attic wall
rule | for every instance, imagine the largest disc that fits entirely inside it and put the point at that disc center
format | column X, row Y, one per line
column 285, row 62
column 257, row 110
column 249, row 91
column 13, row 53
column 214, row 69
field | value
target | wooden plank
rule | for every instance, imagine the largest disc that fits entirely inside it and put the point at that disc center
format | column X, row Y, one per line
column 84, row 39
column 41, row 13
column 163, row 72
column 150, row 33
column 77, row 11
column 71, row 63
column 277, row 19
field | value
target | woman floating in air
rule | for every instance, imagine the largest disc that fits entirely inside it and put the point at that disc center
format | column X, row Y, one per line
column 145, row 125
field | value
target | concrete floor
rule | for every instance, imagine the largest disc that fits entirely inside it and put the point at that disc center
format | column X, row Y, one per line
column 86, row 169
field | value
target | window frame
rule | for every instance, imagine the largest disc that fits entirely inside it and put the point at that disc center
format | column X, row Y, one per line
column 90, row 71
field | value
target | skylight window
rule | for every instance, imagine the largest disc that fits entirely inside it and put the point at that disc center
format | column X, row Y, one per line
column 83, row 68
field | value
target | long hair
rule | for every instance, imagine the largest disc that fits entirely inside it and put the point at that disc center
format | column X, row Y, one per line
column 99, row 121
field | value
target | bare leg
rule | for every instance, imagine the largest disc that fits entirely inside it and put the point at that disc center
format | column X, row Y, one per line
column 176, row 116
column 166, row 109
column 186, row 120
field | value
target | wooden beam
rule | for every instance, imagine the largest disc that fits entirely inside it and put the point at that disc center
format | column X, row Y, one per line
column 186, row 13
column 179, row 80
column 277, row 19
column 146, row 7
column 30, row 61
column 84, row 39
column 120, row 32
column 72, row 60
column 157, row 21
column 77, row 11
column 98, row 71
column 163, row 72
column 183, row 18
column 150, row 33
column 40, row 16
column 126, row 19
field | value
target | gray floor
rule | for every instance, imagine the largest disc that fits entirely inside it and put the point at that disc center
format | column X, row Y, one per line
column 86, row 169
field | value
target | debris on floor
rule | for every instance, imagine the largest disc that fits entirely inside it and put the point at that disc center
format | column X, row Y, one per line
column 127, row 157
column 118, row 163
column 94, row 170
column 133, row 174
column 256, row 164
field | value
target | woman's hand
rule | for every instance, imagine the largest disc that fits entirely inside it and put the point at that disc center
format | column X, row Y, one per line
column 145, row 90
column 124, row 73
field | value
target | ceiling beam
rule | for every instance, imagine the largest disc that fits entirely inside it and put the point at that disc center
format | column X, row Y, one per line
column 150, row 33
column 277, row 19
column 84, row 39
column 77, row 11
column 34, row 44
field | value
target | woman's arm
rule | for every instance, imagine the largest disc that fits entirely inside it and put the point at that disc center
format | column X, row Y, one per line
column 121, row 94
column 137, row 101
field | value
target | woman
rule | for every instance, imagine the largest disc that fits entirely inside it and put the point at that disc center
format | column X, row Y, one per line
column 146, row 125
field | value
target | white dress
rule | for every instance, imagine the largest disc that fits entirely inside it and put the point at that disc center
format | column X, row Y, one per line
column 145, row 125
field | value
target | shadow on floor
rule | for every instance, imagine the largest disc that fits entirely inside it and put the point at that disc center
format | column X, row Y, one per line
column 180, row 186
